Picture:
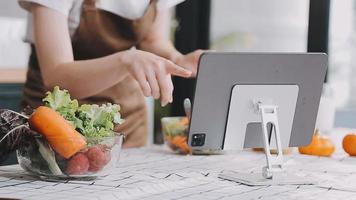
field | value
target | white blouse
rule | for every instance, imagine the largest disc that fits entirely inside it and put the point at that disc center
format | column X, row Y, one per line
column 130, row 9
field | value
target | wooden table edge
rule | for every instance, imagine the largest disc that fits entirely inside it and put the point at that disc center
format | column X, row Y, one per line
column 13, row 75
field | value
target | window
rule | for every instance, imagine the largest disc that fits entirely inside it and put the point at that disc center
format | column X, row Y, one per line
column 259, row 26
column 342, row 52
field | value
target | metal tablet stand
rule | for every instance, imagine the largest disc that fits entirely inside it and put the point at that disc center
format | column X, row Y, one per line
column 273, row 173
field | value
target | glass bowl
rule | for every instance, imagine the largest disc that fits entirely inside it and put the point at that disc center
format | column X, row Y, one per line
column 175, row 133
column 97, row 159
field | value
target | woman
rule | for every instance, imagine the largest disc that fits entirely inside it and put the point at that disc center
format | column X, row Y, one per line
column 85, row 46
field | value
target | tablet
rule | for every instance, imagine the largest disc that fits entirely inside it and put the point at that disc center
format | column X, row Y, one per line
column 293, row 81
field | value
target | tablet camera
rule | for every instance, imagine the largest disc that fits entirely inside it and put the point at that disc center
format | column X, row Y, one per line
column 198, row 139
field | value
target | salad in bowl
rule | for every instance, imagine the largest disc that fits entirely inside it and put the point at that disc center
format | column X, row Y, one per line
column 175, row 133
column 62, row 140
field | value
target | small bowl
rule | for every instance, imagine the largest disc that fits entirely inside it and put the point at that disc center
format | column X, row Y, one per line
column 38, row 158
column 175, row 132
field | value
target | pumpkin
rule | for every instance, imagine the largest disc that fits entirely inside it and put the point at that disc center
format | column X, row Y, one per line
column 319, row 146
column 349, row 144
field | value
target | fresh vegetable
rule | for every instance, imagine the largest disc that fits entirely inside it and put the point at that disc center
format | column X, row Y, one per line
column 175, row 131
column 184, row 121
column 107, row 153
column 319, row 146
column 99, row 121
column 14, row 132
column 349, row 144
column 62, row 162
column 175, row 127
column 31, row 152
column 60, row 101
column 97, row 158
column 50, row 158
column 89, row 120
column 78, row 164
column 178, row 143
column 169, row 143
column 62, row 137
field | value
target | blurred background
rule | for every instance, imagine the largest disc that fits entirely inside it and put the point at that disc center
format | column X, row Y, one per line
column 240, row 26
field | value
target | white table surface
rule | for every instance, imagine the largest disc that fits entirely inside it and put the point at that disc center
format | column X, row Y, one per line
column 156, row 173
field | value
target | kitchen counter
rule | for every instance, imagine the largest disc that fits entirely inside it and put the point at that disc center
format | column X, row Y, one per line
column 11, row 86
column 157, row 173
column 12, row 75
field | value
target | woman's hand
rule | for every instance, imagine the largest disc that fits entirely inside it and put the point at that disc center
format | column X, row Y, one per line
column 190, row 61
column 157, row 42
column 153, row 73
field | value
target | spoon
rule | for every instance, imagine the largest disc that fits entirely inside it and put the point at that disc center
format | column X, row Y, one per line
column 187, row 107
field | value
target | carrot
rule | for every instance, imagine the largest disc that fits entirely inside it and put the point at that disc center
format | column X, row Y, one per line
column 184, row 121
column 169, row 142
column 181, row 143
column 61, row 136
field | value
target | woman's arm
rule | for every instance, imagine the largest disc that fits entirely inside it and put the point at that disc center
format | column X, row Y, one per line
column 89, row 77
column 54, row 51
column 157, row 43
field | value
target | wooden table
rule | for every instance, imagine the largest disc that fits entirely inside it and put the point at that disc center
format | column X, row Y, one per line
column 12, row 75
column 156, row 173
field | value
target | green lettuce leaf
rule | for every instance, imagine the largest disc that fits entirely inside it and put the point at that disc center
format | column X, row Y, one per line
column 89, row 120
column 60, row 101
column 99, row 121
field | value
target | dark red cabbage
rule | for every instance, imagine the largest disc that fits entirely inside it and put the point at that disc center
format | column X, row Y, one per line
column 21, row 136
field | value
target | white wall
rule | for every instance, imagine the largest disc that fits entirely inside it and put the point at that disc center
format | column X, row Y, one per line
column 10, row 8
column 13, row 51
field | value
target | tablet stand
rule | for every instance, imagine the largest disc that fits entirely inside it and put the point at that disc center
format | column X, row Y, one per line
column 273, row 173
column 274, row 164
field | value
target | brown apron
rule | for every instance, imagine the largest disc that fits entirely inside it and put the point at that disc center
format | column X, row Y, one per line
column 101, row 33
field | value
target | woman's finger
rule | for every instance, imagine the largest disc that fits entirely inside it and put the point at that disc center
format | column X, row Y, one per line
column 164, row 88
column 177, row 70
column 152, row 80
column 141, row 79
column 198, row 53
column 171, row 87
